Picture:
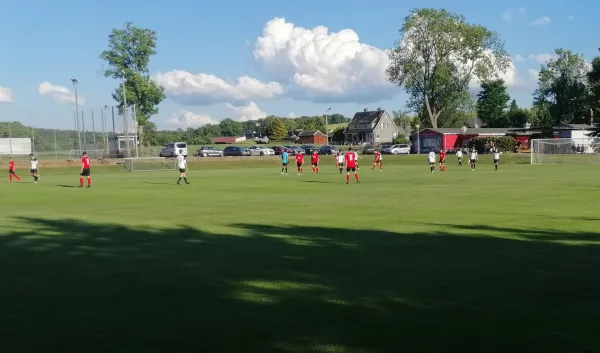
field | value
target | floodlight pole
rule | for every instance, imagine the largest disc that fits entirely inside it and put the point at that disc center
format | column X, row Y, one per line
column 123, row 80
column 418, row 139
column 75, row 82
column 327, row 126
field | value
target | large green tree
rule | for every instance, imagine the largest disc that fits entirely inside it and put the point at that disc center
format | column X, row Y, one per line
column 437, row 56
column 563, row 86
column 128, row 56
column 492, row 102
column 516, row 116
column 276, row 129
column 231, row 127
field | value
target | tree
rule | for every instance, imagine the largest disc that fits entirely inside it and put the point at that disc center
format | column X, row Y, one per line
column 276, row 129
column 517, row 117
column 492, row 101
column 438, row 54
column 403, row 120
column 543, row 119
column 128, row 56
column 563, row 85
column 230, row 127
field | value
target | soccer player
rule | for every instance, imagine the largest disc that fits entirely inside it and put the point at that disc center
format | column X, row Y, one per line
column 34, row 167
column 356, row 159
column 300, row 163
column 442, row 160
column 351, row 165
column 314, row 160
column 284, row 162
column 85, row 170
column 182, row 165
column 473, row 159
column 431, row 159
column 339, row 161
column 377, row 161
column 11, row 171
column 496, row 158
column 459, row 155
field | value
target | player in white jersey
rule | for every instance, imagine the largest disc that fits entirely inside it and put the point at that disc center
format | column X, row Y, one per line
column 473, row 158
column 34, row 165
column 459, row 155
column 496, row 158
column 356, row 159
column 431, row 159
column 182, row 166
column 339, row 161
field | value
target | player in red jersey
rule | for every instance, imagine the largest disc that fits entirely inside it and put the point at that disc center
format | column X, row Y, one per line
column 442, row 160
column 85, row 170
column 314, row 159
column 300, row 163
column 11, row 171
column 377, row 161
column 351, row 165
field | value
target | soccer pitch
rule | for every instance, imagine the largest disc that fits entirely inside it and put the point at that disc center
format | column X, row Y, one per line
column 247, row 260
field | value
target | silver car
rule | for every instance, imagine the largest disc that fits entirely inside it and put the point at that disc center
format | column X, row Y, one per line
column 209, row 151
column 261, row 151
column 396, row 149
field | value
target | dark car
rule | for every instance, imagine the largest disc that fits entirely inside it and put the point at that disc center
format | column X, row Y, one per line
column 280, row 149
column 329, row 150
column 309, row 149
column 235, row 151
column 368, row 149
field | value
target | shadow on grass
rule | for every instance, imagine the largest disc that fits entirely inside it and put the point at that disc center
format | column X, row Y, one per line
column 159, row 183
column 70, row 286
column 318, row 181
column 65, row 186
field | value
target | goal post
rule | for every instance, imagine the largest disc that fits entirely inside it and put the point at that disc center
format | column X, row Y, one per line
column 148, row 164
column 565, row 151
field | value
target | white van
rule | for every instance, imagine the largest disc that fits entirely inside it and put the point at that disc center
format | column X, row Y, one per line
column 172, row 149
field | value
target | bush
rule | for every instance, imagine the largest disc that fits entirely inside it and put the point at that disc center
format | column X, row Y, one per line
column 402, row 139
column 503, row 143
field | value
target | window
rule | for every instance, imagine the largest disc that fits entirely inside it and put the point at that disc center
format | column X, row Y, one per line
column 382, row 125
column 377, row 137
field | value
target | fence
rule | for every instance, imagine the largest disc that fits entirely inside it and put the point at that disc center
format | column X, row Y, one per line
column 103, row 133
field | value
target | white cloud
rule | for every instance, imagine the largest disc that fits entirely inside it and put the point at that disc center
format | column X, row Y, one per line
column 189, row 119
column 204, row 89
column 323, row 66
column 510, row 77
column 533, row 75
column 292, row 115
column 519, row 58
column 6, row 95
column 250, row 111
column 60, row 94
column 543, row 57
column 541, row 21
column 511, row 13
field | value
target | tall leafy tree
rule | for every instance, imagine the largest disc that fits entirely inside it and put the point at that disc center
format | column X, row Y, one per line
column 128, row 56
column 276, row 129
column 563, row 86
column 516, row 116
column 229, row 127
column 437, row 56
column 492, row 102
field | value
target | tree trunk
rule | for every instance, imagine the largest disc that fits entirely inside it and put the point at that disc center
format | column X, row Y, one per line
column 140, row 134
column 433, row 115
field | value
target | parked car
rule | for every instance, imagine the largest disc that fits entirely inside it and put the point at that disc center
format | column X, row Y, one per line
column 295, row 150
column 368, row 149
column 209, row 151
column 396, row 149
column 235, row 151
column 172, row 149
column 328, row 150
column 261, row 151
column 280, row 149
column 309, row 149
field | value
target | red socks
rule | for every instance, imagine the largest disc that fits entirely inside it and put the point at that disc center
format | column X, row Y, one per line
column 347, row 178
column 356, row 177
column 81, row 181
column 317, row 169
column 89, row 181
column 10, row 177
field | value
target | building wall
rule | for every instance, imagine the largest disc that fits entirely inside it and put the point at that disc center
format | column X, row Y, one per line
column 313, row 140
column 385, row 131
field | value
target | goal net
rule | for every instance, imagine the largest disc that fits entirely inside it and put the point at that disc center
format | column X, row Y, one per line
column 565, row 151
column 148, row 164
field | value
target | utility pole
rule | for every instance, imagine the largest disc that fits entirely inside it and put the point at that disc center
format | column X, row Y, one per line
column 75, row 82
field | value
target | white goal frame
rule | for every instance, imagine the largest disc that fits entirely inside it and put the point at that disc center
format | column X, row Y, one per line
column 142, row 164
column 565, row 151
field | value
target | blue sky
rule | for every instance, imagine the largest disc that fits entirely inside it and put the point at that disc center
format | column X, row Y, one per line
column 205, row 47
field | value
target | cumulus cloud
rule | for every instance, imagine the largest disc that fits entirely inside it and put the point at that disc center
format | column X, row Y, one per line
column 541, row 21
column 519, row 58
column 543, row 57
column 6, row 95
column 322, row 65
column 205, row 89
column 189, row 119
column 512, row 13
column 60, row 94
column 250, row 111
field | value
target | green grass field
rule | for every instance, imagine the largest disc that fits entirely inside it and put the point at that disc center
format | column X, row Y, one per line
column 247, row 260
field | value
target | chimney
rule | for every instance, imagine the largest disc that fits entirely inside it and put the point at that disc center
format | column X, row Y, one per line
column 378, row 109
column 366, row 109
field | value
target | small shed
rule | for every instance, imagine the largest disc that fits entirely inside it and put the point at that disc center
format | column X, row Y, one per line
column 314, row 137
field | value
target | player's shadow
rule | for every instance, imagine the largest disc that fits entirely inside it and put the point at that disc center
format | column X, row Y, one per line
column 158, row 183
column 318, row 181
column 72, row 286
column 65, row 186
